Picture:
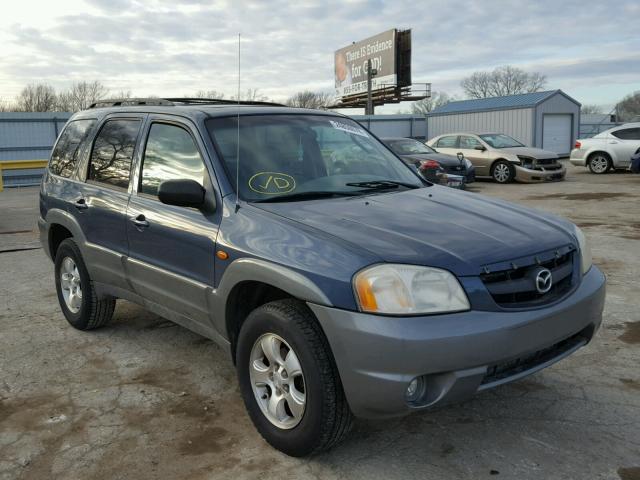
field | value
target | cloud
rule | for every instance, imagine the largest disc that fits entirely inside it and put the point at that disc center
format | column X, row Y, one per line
column 170, row 48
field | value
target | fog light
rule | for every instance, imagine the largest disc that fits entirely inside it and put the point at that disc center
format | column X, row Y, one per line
column 415, row 389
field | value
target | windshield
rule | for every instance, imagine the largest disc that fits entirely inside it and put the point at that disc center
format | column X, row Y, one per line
column 294, row 155
column 499, row 140
column 408, row 147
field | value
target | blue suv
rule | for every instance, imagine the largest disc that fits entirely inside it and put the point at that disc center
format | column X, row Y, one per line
column 341, row 283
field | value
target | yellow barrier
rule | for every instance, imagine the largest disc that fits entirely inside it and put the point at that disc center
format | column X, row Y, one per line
column 20, row 165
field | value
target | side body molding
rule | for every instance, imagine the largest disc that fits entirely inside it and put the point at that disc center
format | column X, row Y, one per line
column 256, row 270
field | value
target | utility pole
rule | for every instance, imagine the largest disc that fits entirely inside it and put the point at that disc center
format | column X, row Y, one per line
column 370, row 74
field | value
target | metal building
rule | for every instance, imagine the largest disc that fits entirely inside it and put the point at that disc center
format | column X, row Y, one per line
column 549, row 120
column 28, row 136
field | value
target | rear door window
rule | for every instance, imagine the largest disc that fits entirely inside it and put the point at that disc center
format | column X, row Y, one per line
column 627, row 134
column 171, row 154
column 113, row 152
column 467, row 142
column 448, row 142
column 65, row 154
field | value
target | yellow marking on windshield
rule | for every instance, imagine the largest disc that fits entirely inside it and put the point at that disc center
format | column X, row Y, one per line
column 272, row 183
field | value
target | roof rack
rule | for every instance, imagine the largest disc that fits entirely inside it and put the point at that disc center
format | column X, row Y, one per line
column 170, row 102
column 220, row 101
column 130, row 102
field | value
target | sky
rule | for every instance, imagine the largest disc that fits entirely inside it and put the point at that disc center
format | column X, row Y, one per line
column 589, row 49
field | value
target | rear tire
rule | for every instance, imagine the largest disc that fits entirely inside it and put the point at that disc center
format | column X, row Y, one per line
column 599, row 163
column 503, row 172
column 76, row 295
column 326, row 418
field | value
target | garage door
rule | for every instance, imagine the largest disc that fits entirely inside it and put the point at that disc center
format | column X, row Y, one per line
column 556, row 133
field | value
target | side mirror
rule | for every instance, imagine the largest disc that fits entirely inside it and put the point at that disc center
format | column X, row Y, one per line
column 182, row 193
column 482, row 148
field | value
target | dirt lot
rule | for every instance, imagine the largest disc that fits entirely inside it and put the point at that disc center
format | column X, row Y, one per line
column 144, row 398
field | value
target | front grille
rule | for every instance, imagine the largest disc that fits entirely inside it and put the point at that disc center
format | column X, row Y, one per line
column 515, row 286
column 504, row 370
column 546, row 161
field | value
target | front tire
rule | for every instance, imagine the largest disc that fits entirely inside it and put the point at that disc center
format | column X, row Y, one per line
column 76, row 295
column 289, row 381
column 503, row 172
column 600, row 163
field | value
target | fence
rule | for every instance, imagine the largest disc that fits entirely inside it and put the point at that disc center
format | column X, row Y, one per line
column 27, row 136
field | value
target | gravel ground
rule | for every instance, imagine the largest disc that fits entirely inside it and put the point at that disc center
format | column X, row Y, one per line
column 144, row 398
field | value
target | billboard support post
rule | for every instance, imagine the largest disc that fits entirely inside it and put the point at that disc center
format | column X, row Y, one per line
column 370, row 73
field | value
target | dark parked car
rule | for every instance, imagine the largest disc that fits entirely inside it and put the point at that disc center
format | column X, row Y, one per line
column 340, row 282
column 424, row 158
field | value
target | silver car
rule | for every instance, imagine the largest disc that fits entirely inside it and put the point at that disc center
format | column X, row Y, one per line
column 502, row 157
column 608, row 150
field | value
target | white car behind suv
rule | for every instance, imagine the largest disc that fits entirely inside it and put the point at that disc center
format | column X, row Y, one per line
column 608, row 150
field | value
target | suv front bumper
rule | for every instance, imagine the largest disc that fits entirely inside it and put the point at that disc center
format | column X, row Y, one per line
column 456, row 354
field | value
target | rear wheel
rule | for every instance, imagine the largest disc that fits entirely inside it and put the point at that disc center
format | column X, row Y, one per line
column 289, row 381
column 599, row 163
column 503, row 172
column 76, row 295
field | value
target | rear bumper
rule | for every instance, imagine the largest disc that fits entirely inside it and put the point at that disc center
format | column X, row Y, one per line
column 457, row 355
column 527, row 175
column 578, row 157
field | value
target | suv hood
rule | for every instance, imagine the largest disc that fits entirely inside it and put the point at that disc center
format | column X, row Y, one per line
column 434, row 226
column 529, row 152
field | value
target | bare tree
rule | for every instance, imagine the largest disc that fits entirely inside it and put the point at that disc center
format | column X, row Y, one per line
column 426, row 105
column 38, row 97
column 309, row 99
column 628, row 109
column 123, row 94
column 251, row 95
column 590, row 109
column 506, row 80
column 206, row 94
column 7, row 106
column 81, row 95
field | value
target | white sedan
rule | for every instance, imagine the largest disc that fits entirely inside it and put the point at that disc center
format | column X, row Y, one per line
column 608, row 150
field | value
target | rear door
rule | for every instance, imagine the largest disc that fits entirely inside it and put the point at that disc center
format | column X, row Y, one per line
column 171, row 248
column 481, row 159
column 102, row 200
column 447, row 144
column 625, row 143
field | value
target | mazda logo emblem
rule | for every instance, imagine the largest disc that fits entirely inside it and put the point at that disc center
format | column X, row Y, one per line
column 544, row 281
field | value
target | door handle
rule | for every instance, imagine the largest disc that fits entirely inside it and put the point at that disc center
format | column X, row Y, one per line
column 140, row 221
column 613, row 142
column 81, row 204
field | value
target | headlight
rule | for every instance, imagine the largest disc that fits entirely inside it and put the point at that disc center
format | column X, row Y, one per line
column 408, row 289
column 467, row 163
column 526, row 162
column 585, row 250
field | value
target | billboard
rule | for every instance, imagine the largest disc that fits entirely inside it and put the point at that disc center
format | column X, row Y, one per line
column 351, row 64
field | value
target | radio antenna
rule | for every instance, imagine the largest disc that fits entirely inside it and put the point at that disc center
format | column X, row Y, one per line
column 238, row 136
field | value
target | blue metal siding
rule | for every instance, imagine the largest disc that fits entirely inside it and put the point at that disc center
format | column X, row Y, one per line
column 28, row 136
column 414, row 126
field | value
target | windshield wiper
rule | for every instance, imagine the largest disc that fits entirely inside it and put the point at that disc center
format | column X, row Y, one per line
column 291, row 197
column 381, row 184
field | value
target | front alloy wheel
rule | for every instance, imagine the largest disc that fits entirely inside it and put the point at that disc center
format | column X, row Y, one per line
column 277, row 381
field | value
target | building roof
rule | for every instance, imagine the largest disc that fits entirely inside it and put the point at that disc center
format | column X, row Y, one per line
column 524, row 100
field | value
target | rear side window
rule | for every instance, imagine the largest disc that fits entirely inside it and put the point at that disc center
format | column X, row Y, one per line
column 65, row 155
column 627, row 134
column 113, row 152
column 468, row 142
column 447, row 142
column 170, row 154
